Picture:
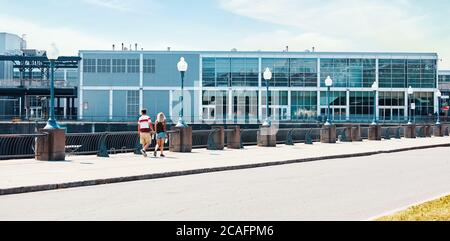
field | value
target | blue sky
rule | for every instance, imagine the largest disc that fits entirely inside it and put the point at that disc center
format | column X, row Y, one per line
column 332, row 25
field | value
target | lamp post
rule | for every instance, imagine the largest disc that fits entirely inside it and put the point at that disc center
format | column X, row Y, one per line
column 267, row 76
column 410, row 93
column 328, row 84
column 52, row 56
column 439, row 95
column 375, row 89
column 182, row 68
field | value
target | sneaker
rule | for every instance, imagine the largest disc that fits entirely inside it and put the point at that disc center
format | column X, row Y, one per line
column 144, row 153
column 162, row 155
column 155, row 154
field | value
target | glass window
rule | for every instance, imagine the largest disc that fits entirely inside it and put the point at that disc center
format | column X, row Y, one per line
column 303, row 72
column 215, row 105
column 401, row 73
column 132, row 103
column 104, row 65
column 209, row 72
column 280, row 71
column 361, row 105
column 89, row 65
column 424, row 103
column 118, row 65
column 357, row 73
column 133, row 65
column 392, row 99
column 149, row 66
column 303, row 105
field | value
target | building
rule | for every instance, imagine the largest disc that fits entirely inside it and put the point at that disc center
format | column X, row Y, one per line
column 228, row 86
column 24, row 82
column 444, row 86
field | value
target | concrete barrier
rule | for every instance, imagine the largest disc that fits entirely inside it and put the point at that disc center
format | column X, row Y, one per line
column 180, row 139
column 234, row 137
column 328, row 134
column 356, row 133
column 267, row 137
column 438, row 131
column 52, row 146
column 375, row 133
column 410, row 131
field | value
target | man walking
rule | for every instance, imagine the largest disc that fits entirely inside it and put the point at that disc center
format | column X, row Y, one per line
column 145, row 129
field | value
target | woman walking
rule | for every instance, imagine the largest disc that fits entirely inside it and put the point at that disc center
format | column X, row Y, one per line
column 161, row 135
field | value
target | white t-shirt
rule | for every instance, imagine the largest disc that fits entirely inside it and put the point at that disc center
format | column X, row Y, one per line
column 144, row 123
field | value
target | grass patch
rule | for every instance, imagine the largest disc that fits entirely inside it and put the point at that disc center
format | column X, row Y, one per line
column 437, row 210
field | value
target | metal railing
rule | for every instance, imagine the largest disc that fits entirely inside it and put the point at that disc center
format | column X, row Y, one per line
column 110, row 143
column 18, row 146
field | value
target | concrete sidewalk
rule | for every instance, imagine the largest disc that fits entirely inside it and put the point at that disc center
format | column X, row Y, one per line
column 21, row 176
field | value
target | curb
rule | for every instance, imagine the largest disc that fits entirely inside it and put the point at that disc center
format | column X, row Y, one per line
column 97, row 182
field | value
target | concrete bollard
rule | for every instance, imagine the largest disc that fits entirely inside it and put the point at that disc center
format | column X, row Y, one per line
column 375, row 133
column 181, row 139
column 52, row 146
column 328, row 134
column 410, row 131
column 234, row 138
column 267, row 137
column 356, row 133
column 217, row 138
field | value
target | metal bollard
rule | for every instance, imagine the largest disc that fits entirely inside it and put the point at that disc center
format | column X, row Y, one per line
column 388, row 134
column 102, row 148
column 398, row 134
column 211, row 143
column 289, row 138
column 308, row 139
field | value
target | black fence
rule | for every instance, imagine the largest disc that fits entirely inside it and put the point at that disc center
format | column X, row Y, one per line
column 23, row 146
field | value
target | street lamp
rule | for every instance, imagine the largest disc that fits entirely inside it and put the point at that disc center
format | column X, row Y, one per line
column 182, row 68
column 328, row 84
column 438, row 95
column 410, row 93
column 267, row 76
column 52, row 56
column 375, row 89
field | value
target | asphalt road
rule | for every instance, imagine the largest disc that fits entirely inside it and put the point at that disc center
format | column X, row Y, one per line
column 344, row 189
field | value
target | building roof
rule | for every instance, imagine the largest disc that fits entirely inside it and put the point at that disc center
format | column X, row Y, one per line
column 274, row 53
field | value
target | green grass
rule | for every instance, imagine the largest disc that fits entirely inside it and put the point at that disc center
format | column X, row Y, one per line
column 437, row 210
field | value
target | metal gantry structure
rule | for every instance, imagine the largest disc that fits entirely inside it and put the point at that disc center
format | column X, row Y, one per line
column 28, row 84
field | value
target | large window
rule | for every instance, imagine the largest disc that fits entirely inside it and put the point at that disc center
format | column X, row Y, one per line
column 361, row 105
column 132, row 103
column 278, row 105
column 280, row 70
column 444, row 78
column 245, row 106
column 133, row 65
column 215, row 105
column 424, row 103
column 303, row 105
column 392, row 99
column 219, row 72
column 244, row 72
column 118, row 65
column 401, row 73
column 303, row 72
column 89, row 65
column 209, row 72
column 149, row 66
column 348, row 72
column 104, row 65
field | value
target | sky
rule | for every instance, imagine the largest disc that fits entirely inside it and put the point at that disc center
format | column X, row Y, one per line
column 327, row 25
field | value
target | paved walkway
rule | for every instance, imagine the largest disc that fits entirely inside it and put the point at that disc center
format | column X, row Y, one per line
column 91, row 170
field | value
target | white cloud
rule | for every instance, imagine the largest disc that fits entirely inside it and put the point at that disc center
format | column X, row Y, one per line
column 346, row 25
column 134, row 6
column 112, row 4
column 69, row 41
